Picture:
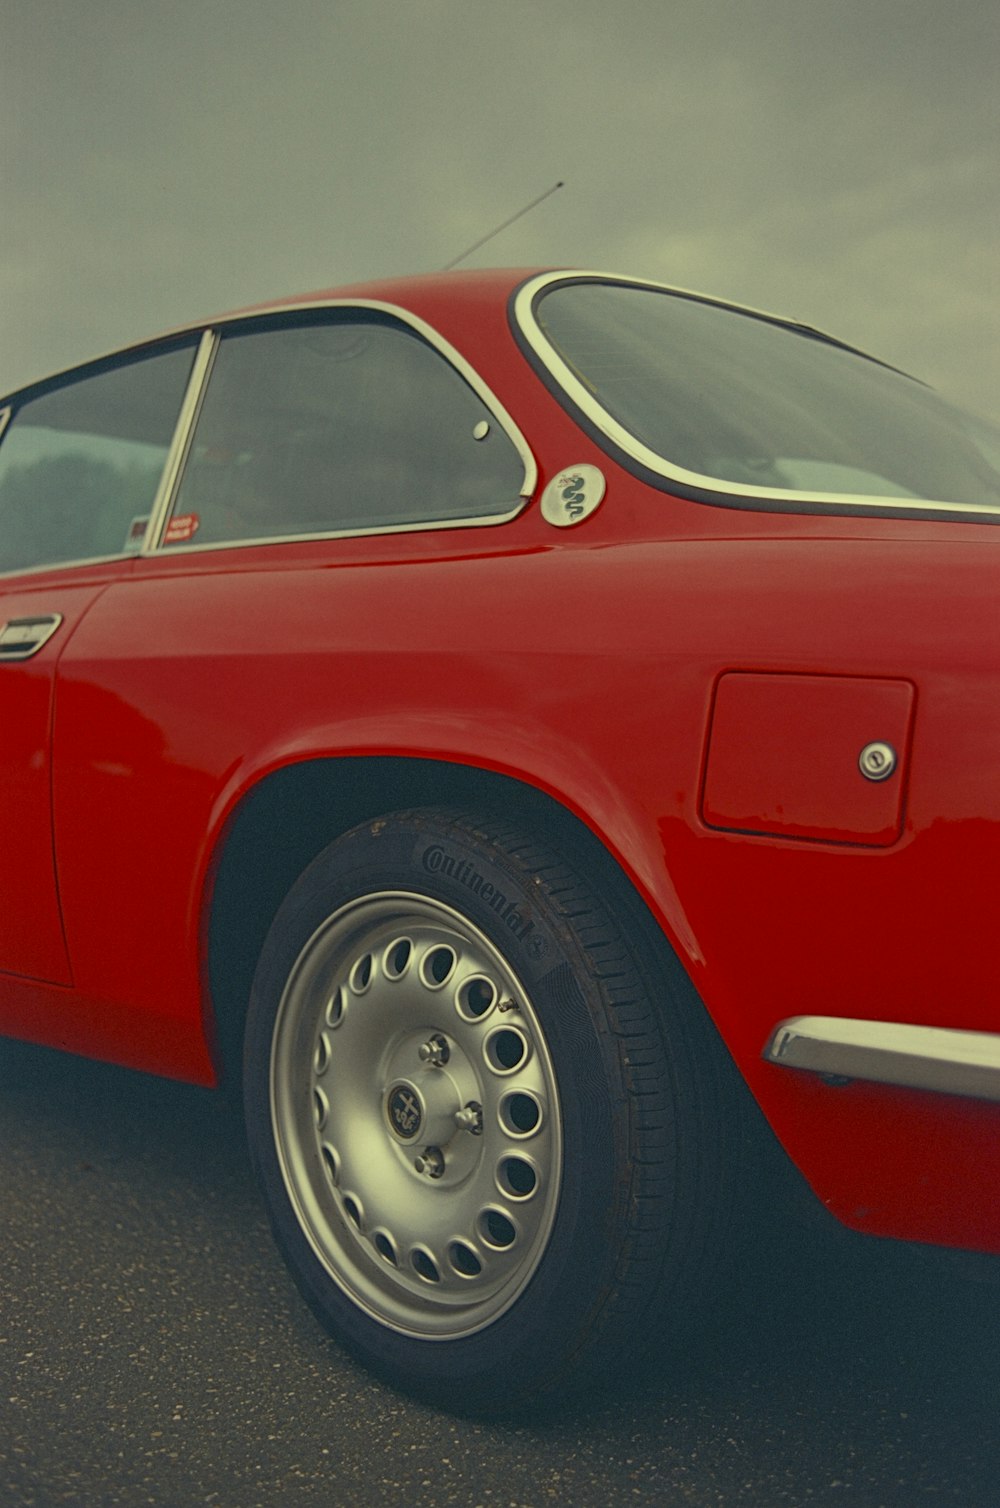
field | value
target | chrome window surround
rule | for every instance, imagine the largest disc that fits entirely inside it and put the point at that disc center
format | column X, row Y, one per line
column 527, row 326
column 199, row 385
column 176, row 451
column 939, row 1059
column 191, row 407
column 180, row 444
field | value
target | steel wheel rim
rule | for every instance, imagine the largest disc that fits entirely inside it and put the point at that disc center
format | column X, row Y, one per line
column 415, row 1114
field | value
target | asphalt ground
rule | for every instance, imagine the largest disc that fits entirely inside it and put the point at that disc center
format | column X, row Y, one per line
column 153, row 1351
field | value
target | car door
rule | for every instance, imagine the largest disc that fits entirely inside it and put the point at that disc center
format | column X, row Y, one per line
column 34, row 622
column 81, row 461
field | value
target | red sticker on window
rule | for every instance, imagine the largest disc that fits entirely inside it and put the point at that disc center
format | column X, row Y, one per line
column 136, row 533
column 183, row 527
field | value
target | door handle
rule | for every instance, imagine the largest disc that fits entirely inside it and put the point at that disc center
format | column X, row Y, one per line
column 20, row 638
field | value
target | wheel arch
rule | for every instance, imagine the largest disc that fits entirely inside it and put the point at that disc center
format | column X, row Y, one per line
column 291, row 814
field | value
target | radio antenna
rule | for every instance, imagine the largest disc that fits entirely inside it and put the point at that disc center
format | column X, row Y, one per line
column 476, row 245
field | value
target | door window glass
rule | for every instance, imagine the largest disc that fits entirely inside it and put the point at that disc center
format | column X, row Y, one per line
column 343, row 426
column 80, row 464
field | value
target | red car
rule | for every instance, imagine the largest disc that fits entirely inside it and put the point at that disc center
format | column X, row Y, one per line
column 524, row 719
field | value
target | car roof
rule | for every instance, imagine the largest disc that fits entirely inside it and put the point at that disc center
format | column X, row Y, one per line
column 450, row 301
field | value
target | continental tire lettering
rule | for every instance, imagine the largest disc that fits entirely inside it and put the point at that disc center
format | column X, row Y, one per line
column 436, row 860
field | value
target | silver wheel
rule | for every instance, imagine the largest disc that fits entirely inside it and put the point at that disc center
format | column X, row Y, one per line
column 415, row 1115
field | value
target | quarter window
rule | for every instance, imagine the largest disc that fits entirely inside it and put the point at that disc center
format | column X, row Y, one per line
column 345, row 426
column 80, row 464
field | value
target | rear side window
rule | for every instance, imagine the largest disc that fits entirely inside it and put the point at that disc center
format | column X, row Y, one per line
column 81, row 463
column 725, row 400
column 343, row 426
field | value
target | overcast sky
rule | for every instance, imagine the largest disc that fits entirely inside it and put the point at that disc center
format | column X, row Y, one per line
column 836, row 160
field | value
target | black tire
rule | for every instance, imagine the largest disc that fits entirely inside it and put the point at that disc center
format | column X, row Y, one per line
column 496, row 1136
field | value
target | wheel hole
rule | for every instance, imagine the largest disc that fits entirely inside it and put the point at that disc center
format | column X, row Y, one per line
column 335, row 1008
column 361, row 974
column 321, row 1057
column 506, row 1050
column 321, row 1108
column 497, row 1229
column 464, row 1260
column 476, row 998
column 520, row 1114
column 385, row 1248
column 397, row 958
column 438, row 966
column 425, row 1266
column 352, row 1209
column 517, row 1177
column 332, row 1163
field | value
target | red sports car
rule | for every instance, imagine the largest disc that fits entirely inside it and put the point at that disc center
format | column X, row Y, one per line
column 517, row 721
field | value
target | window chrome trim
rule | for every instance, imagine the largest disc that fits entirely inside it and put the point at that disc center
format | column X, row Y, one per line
column 180, row 444
column 434, row 339
column 204, row 353
column 197, row 387
column 263, row 541
column 939, row 1059
column 74, row 563
column 437, row 342
column 787, row 499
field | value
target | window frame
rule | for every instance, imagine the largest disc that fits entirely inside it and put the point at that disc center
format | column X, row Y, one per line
column 657, row 470
column 298, row 313
column 205, row 340
column 13, row 404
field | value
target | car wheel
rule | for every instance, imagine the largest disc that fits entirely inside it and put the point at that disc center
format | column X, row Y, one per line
column 492, row 1142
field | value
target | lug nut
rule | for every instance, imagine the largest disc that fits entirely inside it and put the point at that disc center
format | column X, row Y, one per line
column 430, row 1162
column 470, row 1118
column 435, row 1052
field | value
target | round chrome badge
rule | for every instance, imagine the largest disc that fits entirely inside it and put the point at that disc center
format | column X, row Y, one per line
column 573, row 495
column 405, row 1113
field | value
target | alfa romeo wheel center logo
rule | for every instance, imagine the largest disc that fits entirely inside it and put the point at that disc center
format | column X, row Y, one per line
column 403, row 1108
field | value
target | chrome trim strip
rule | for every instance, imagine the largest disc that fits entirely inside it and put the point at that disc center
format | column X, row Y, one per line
column 626, row 442
column 75, row 563
column 180, row 444
column 5, row 414
column 262, row 541
column 940, row 1059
